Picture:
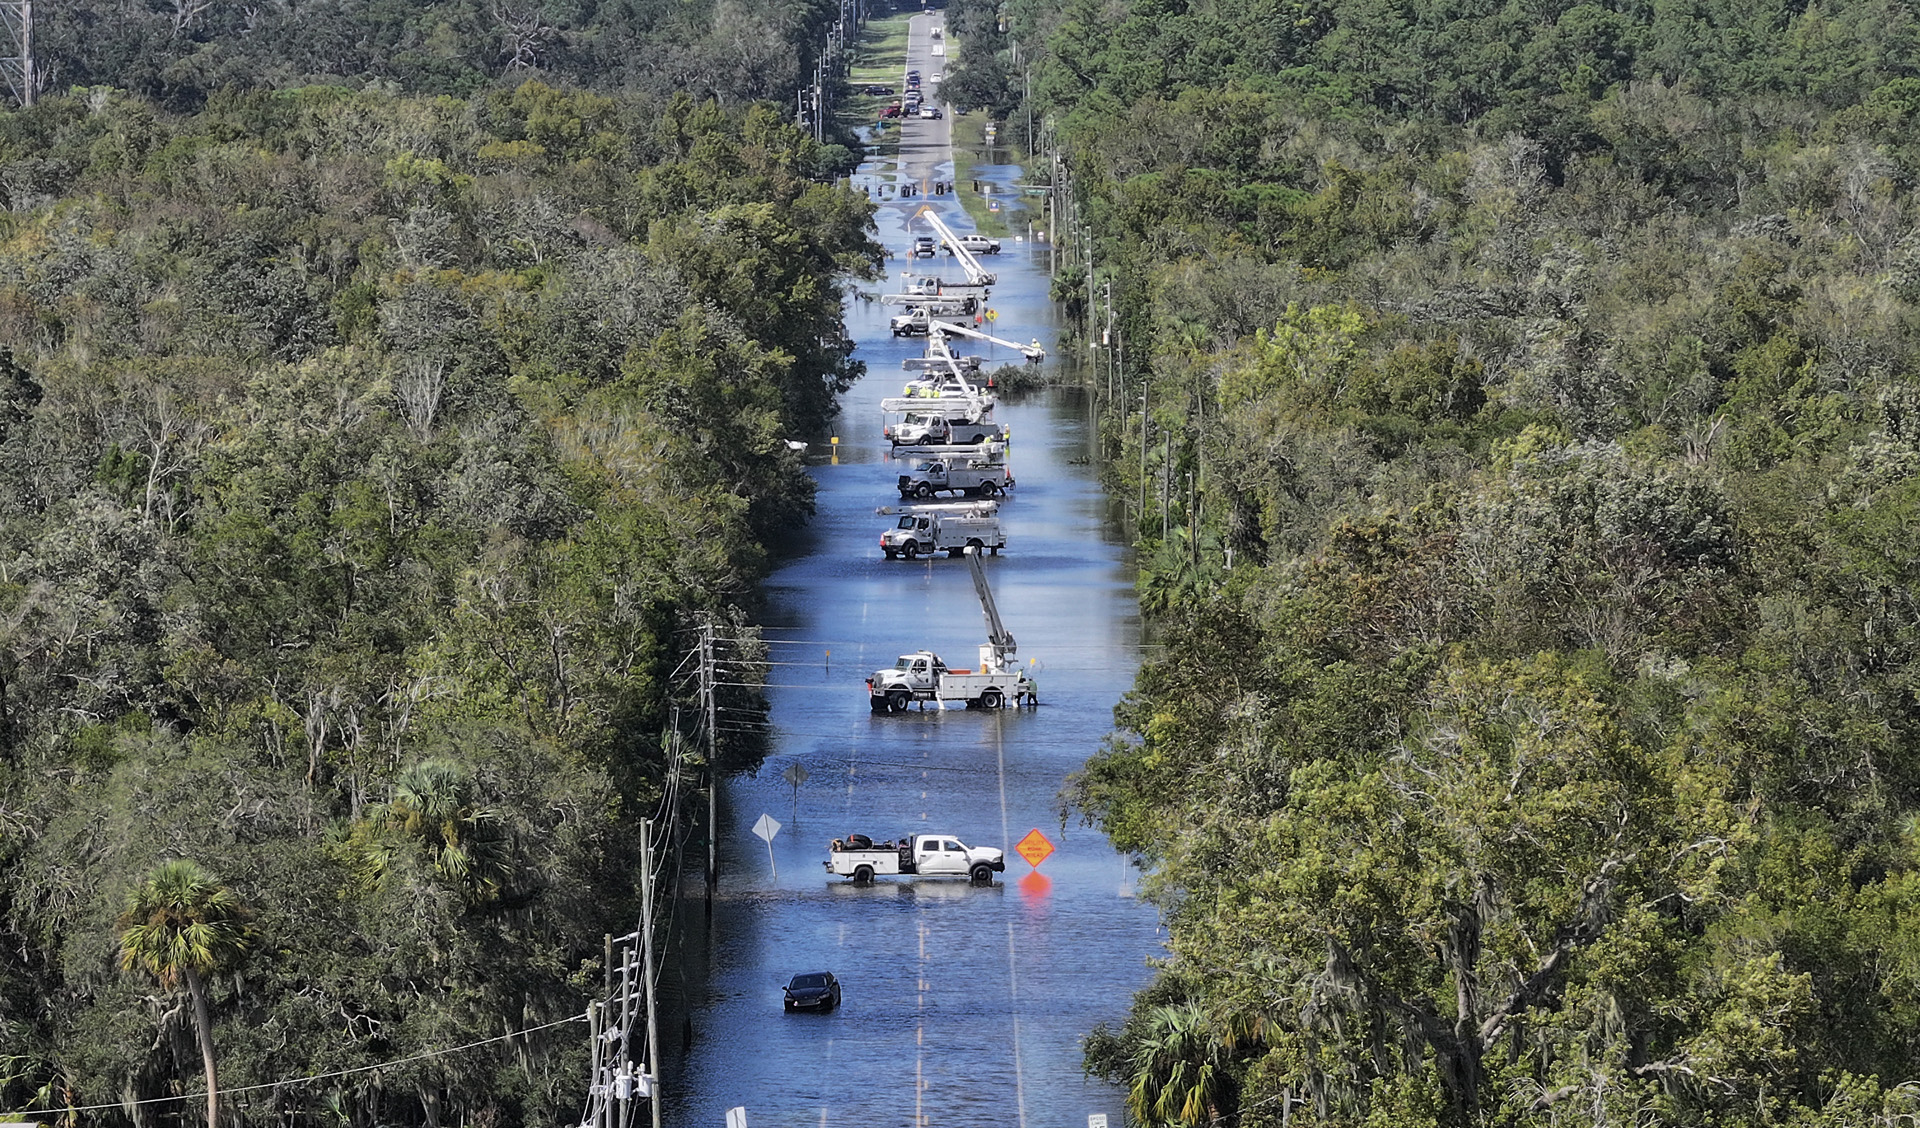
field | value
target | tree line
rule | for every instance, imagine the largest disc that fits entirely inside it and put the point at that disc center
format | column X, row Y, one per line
column 180, row 52
column 366, row 460
column 1516, row 408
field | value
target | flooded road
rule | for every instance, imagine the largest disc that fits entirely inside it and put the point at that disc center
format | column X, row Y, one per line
column 963, row 1006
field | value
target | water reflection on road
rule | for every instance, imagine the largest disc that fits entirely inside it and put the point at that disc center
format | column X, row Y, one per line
column 963, row 1006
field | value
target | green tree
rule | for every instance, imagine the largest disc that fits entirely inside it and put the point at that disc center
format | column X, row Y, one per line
column 181, row 926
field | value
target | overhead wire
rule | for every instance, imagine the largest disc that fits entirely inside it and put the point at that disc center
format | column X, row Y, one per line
column 424, row 1056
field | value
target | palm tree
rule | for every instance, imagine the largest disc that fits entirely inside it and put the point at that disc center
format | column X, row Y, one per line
column 1183, row 1067
column 432, row 803
column 180, row 926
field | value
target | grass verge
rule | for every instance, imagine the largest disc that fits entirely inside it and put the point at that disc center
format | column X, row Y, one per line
column 970, row 148
column 880, row 58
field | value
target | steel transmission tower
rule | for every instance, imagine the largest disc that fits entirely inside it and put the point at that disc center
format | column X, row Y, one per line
column 22, row 77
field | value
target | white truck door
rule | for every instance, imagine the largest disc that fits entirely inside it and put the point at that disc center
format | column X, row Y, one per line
column 921, row 675
column 942, row 856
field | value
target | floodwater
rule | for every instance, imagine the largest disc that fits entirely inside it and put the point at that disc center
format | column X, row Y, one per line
column 963, row 1006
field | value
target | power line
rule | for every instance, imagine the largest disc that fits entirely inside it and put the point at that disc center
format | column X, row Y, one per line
column 309, row 1080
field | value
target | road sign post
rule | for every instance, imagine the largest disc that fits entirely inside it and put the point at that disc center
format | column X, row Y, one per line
column 766, row 828
column 796, row 774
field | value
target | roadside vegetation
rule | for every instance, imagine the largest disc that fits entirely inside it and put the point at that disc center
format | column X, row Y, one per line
column 365, row 459
column 1531, row 453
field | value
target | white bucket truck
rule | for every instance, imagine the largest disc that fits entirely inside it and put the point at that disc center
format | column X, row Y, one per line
column 917, row 855
column 922, row 676
column 982, row 476
column 950, row 527
column 938, row 428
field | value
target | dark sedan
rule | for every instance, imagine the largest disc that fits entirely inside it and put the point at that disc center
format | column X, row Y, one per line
column 813, row 990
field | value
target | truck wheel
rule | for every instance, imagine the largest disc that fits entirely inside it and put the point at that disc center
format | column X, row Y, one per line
column 991, row 489
column 924, row 489
column 862, row 875
column 990, row 699
column 975, row 544
column 982, row 874
column 978, row 439
column 897, row 701
column 910, row 549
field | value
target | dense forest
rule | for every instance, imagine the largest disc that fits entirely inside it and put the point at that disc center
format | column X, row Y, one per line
column 1517, row 407
column 366, row 460
column 179, row 52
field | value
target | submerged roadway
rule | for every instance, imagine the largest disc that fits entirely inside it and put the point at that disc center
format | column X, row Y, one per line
column 964, row 1006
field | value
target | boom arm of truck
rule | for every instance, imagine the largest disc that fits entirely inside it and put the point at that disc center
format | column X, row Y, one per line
column 998, row 636
column 938, row 327
column 976, row 274
column 939, row 350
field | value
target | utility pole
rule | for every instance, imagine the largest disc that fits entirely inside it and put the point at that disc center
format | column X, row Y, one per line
column 1166, row 483
column 707, row 678
column 17, row 17
column 1146, row 401
column 1053, row 213
column 646, row 984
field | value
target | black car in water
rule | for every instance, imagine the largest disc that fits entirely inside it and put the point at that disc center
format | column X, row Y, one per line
column 813, row 990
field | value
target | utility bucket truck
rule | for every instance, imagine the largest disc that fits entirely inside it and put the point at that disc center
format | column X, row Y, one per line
column 952, row 527
column 937, row 305
column 925, row 430
column 974, row 477
column 921, row 676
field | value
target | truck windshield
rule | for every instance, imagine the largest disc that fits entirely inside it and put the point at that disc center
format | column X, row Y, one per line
column 905, row 663
column 905, row 523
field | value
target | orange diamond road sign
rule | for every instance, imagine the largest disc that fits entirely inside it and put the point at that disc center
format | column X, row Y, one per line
column 1034, row 848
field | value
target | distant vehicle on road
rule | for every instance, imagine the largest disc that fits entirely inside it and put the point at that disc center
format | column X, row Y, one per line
column 929, row 112
column 876, row 88
column 923, row 246
column 978, row 244
column 892, row 111
column 813, row 990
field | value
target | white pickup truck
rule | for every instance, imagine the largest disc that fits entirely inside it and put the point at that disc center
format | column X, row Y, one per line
column 978, row 244
column 952, row 527
column 920, row 855
column 922, row 676
column 974, row 477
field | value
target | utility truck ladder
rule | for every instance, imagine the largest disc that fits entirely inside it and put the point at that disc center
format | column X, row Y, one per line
column 976, row 274
column 998, row 637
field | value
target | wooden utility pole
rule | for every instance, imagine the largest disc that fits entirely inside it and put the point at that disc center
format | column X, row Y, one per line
column 646, row 985
column 707, row 679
